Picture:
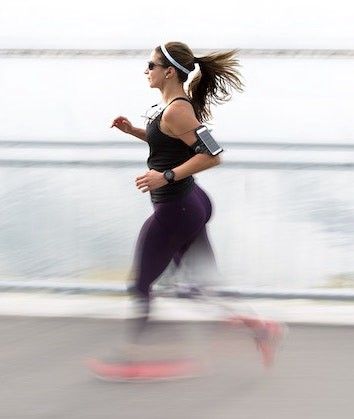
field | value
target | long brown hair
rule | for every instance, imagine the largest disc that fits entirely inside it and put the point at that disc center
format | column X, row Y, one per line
column 218, row 74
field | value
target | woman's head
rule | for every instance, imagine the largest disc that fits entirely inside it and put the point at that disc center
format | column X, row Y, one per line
column 173, row 60
column 218, row 74
column 179, row 56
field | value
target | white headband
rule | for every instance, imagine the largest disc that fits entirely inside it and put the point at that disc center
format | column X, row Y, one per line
column 173, row 61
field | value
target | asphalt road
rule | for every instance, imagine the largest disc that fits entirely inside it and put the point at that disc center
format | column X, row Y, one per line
column 43, row 373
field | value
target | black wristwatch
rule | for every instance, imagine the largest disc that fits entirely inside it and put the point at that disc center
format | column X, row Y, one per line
column 169, row 175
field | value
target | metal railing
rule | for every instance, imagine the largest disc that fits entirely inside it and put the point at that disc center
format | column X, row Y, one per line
column 133, row 144
column 122, row 290
column 141, row 52
column 118, row 162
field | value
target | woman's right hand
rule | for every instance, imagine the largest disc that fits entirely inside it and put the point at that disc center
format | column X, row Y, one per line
column 123, row 124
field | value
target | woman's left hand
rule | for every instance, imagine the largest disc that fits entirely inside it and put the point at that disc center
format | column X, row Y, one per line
column 150, row 180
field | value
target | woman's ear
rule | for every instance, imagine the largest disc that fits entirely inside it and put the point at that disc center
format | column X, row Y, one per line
column 169, row 72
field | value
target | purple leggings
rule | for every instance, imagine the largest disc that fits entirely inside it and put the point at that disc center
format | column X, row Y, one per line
column 174, row 227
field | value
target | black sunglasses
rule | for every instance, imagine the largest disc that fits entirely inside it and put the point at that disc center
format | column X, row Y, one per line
column 152, row 65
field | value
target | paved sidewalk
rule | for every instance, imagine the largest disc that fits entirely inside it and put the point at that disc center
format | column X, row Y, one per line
column 115, row 307
column 43, row 375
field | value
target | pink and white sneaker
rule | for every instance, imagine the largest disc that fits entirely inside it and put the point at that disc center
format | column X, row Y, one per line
column 267, row 339
column 143, row 370
column 267, row 335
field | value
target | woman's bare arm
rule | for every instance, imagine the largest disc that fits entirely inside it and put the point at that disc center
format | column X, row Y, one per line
column 180, row 121
column 123, row 124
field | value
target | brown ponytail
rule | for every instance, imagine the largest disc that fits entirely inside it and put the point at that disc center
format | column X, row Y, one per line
column 212, row 85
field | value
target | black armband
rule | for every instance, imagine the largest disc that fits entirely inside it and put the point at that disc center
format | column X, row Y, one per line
column 199, row 148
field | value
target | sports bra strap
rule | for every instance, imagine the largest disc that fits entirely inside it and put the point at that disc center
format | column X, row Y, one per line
column 179, row 98
column 173, row 100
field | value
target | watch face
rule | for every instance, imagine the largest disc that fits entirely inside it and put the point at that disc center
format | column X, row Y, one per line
column 169, row 175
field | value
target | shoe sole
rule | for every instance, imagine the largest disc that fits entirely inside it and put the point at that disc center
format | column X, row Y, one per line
column 144, row 372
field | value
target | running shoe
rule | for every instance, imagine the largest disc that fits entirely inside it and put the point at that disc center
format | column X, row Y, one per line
column 267, row 335
column 144, row 370
column 267, row 338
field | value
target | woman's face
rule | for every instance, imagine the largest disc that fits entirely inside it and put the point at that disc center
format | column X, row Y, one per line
column 155, row 71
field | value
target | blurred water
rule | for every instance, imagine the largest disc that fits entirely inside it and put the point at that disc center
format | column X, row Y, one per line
column 272, row 228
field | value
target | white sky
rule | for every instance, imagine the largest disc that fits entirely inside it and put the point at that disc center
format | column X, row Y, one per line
column 308, row 100
column 144, row 24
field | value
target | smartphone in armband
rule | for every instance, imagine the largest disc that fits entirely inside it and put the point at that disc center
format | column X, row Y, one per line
column 206, row 138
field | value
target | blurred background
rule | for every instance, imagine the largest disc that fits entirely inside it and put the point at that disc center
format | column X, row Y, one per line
column 284, row 197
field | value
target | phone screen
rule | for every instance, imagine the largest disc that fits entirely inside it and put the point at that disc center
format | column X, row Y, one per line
column 207, row 139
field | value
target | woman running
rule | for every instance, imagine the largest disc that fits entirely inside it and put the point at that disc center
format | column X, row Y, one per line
column 181, row 208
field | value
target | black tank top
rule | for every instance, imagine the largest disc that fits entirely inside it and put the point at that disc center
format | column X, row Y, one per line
column 166, row 153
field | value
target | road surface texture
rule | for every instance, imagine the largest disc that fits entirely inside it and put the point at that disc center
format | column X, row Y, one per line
column 43, row 373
